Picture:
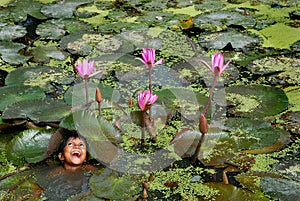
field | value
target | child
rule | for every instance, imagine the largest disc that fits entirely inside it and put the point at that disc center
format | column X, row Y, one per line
column 73, row 153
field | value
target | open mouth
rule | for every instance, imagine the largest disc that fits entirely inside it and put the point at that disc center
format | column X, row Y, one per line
column 76, row 153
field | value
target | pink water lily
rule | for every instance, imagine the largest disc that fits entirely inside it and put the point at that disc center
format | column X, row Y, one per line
column 148, row 59
column 146, row 99
column 217, row 62
column 85, row 68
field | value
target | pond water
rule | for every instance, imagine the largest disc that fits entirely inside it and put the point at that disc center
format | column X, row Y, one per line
column 225, row 134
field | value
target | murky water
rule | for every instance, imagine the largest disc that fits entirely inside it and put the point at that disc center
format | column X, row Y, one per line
column 59, row 184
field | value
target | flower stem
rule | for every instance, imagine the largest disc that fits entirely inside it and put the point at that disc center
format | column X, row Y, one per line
column 143, row 127
column 86, row 91
column 150, row 88
column 211, row 94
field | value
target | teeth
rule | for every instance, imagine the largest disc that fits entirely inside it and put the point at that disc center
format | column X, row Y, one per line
column 76, row 152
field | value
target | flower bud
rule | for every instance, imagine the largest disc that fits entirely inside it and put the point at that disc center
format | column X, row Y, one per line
column 130, row 101
column 203, row 126
column 98, row 95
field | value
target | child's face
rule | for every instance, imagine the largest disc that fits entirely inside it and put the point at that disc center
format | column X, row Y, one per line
column 74, row 154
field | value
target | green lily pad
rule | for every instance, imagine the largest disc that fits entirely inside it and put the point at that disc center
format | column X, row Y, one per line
column 100, row 135
column 51, row 29
column 48, row 110
column 10, row 52
column 231, row 192
column 222, row 18
column 238, row 41
column 280, row 70
column 18, row 12
column 281, row 189
column 75, row 44
column 39, row 76
column 109, row 184
column 75, row 95
column 63, row 9
column 29, row 145
column 12, row 32
column 43, row 54
column 13, row 94
column 174, row 98
column 257, row 136
column 255, row 100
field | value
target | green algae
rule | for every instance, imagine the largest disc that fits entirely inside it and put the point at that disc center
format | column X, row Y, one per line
column 190, row 10
column 187, row 188
column 245, row 103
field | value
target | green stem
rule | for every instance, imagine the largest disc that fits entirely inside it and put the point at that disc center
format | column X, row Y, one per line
column 143, row 127
column 86, row 91
column 211, row 94
column 150, row 88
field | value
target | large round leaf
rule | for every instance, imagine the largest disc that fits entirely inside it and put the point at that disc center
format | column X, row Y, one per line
column 256, row 136
column 41, row 76
column 255, row 100
column 109, row 185
column 10, row 52
column 42, row 110
column 13, row 94
column 236, row 40
column 226, row 17
column 12, row 32
column 29, row 145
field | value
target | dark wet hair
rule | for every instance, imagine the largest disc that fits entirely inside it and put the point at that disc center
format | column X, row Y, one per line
column 65, row 140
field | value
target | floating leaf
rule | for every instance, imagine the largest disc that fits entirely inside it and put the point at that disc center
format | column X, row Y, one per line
column 29, row 145
column 230, row 192
column 225, row 17
column 12, row 32
column 10, row 52
column 281, row 189
column 39, row 76
column 237, row 41
column 51, row 29
column 109, row 185
column 43, row 54
column 256, row 100
column 13, row 94
column 62, row 9
column 117, row 27
column 256, row 136
column 42, row 110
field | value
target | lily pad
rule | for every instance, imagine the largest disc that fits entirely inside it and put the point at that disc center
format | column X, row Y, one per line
column 255, row 100
column 13, row 94
column 43, row 54
column 225, row 17
column 63, row 9
column 51, row 29
column 10, row 52
column 42, row 110
column 236, row 40
column 174, row 98
column 278, row 70
column 109, row 184
column 231, row 192
column 257, row 136
column 39, row 76
column 281, row 189
column 12, row 32
column 29, row 145
column 18, row 12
